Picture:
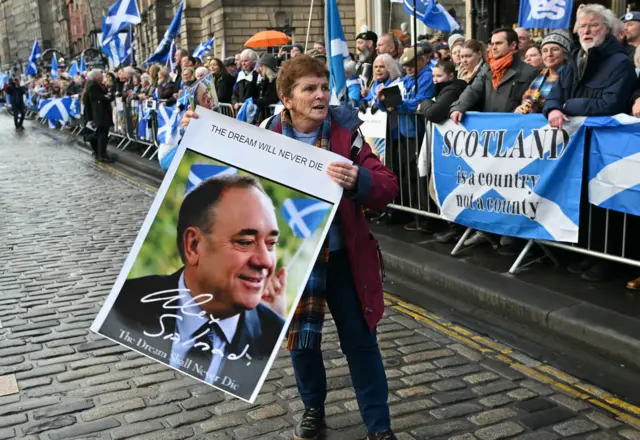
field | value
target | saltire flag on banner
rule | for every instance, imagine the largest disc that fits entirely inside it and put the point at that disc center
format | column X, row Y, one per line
column 168, row 124
column 432, row 14
column 338, row 52
column 510, row 174
column 56, row 109
column 32, row 66
column 200, row 172
column 304, row 216
column 73, row 70
column 554, row 14
column 83, row 67
column 75, row 109
column 121, row 14
column 614, row 179
column 162, row 52
column 54, row 67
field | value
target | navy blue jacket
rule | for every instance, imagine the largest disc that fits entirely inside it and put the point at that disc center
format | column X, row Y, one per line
column 608, row 77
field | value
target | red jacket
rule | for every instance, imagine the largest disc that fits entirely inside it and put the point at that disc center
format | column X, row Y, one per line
column 377, row 187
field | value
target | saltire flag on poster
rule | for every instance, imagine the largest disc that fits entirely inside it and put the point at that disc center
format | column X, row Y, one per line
column 54, row 67
column 338, row 52
column 510, row 174
column 554, row 14
column 200, row 172
column 614, row 163
column 32, row 66
column 162, row 52
column 121, row 14
column 168, row 124
column 432, row 14
column 144, row 115
column 304, row 216
column 56, row 109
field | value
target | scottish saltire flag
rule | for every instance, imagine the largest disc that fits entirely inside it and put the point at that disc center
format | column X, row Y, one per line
column 203, row 47
column 121, row 14
column 200, row 172
column 338, row 52
column 144, row 115
column 54, row 67
column 32, row 66
column 56, row 110
column 75, row 109
column 162, row 52
column 614, row 164
column 432, row 14
column 168, row 124
column 129, row 53
column 304, row 216
column 171, row 62
column 555, row 14
column 510, row 174
column 4, row 79
column 73, row 70
column 83, row 67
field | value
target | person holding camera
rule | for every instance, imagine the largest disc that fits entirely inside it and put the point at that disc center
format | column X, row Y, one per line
column 16, row 93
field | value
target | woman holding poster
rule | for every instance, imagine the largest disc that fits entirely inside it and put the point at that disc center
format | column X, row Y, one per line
column 346, row 275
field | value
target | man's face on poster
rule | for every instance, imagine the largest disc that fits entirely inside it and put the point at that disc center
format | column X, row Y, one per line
column 235, row 259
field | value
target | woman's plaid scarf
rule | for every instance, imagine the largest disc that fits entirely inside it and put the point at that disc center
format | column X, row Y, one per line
column 305, row 330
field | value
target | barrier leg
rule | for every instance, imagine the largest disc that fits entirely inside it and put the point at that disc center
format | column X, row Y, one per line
column 124, row 147
column 549, row 254
column 516, row 265
column 147, row 150
column 460, row 244
column 121, row 142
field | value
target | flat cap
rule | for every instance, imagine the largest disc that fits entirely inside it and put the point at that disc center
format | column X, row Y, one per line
column 409, row 55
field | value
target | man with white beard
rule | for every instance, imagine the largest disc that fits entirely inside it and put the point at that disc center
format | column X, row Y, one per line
column 598, row 74
column 366, row 49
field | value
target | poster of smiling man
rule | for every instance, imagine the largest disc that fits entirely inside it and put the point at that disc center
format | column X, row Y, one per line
column 222, row 258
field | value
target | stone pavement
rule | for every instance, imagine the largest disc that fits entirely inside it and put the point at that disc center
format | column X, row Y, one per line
column 67, row 227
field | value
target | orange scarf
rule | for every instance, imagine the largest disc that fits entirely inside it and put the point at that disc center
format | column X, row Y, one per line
column 499, row 67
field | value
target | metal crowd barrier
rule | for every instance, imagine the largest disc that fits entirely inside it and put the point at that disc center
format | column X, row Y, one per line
column 604, row 234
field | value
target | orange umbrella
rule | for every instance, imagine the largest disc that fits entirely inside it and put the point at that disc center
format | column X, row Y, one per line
column 267, row 39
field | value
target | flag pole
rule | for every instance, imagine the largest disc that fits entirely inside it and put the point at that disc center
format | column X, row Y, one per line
column 415, row 44
column 306, row 43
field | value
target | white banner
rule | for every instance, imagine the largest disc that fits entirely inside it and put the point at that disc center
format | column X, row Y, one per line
column 222, row 258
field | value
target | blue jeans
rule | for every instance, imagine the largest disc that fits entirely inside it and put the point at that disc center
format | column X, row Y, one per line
column 359, row 345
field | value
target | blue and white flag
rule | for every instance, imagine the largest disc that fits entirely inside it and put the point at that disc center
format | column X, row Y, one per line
column 168, row 125
column 201, row 172
column 4, row 79
column 171, row 62
column 555, row 14
column 162, row 52
column 202, row 48
column 75, row 108
column 73, row 70
column 56, row 109
column 83, row 67
column 614, row 163
column 338, row 52
column 510, row 174
column 129, row 58
column 32, row 66
column 432, row 14
column 121, row 14
column 54, row 67
column 304, row 216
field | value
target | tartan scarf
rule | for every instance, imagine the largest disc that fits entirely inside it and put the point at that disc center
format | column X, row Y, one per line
column 305, row 330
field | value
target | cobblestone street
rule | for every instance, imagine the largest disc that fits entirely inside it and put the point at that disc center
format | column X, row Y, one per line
column 67, row 227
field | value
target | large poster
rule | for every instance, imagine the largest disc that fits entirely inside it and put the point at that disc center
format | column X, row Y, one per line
column 510, row 174
column 224, row 253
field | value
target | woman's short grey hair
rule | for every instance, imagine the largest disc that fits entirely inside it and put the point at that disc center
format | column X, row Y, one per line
column 349, row 68
column 94, row 74
column 608, row 17
column 393, row 67
column 250, row 53
column 202, row 70
column 145, row 78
